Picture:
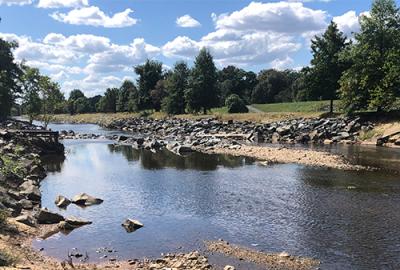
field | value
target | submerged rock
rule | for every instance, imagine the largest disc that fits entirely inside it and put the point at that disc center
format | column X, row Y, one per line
column 47, row 217
column 84, row 199
column 72, row 223
column 132, row 225
column 62, row 201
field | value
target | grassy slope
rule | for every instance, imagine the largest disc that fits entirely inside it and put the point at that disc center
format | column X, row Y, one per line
column 307, row 106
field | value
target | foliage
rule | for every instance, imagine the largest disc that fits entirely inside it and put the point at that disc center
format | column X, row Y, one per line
column 108, row 103
column 32, row 103
column 175, row 85
column 127, row 97
column 202, row 94
column 10, row 73
column 373, row 80
column 322, row 78
column 149, row 74
column 235, row 104
column 157, row 95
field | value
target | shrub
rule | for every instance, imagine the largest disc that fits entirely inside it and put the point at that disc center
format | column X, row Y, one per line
column 235, row 104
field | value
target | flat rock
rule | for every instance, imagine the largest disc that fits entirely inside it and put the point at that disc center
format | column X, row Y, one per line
column 62, row 201
column 45, row 216
column 26, row 219
column 132, row 225
column 84, row 199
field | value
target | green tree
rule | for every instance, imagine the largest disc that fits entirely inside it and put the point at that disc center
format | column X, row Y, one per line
column 10, row 73
column 271, row 82
column 73, row 96
column 52, row 99
column 124, row 95
column 108, row 103
column 157, row 95
column 326, row 66
column 32, row 103
column 149, row 74
column 202, row 93
column 373, row 80
column 235, row 104
column 176, row 84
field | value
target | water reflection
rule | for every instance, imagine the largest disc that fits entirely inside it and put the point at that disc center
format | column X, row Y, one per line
column 166, row 159
column 348, row 220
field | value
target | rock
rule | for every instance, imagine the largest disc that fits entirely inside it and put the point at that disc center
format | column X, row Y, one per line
column 84, row 199
column 31, row 191
column 62, row 201
column 47, row 217
column 229, row 267
column 132, row 225
column 72, row 223
column 26, row 219
column 26, row 204
column 397, row 142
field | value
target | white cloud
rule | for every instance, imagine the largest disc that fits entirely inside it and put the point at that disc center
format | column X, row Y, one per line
column 283, row 17
column 348, row 23
column 95, row 17
column 62, row 3
column 15, row 2
column 187, row 21
column 88, row 62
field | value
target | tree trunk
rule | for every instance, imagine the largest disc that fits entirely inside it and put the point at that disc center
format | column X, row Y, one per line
column 204, row 111
column 331, row 107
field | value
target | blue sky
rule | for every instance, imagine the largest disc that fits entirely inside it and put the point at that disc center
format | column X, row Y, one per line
column 93, row 44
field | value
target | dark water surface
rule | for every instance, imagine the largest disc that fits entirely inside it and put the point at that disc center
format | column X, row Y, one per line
column 348, row 220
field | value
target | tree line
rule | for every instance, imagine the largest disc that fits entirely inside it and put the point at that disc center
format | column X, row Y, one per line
column 363, row 72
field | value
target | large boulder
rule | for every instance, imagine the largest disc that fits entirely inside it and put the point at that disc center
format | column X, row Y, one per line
column 62, row 201
column 132, row 225
column 30, row 190
column 84, row 199
column 45, row 216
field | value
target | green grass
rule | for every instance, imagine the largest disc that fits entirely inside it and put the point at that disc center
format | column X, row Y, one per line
column 306, row 106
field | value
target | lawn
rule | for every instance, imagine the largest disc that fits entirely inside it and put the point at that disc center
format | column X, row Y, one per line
column 306, row 106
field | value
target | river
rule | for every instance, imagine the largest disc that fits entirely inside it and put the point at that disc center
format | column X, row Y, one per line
column 347, row 220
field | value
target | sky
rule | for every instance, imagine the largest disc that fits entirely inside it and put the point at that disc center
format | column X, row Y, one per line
column 94, row 44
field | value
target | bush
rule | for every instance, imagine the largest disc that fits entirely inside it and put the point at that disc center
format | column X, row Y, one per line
column 235, row 104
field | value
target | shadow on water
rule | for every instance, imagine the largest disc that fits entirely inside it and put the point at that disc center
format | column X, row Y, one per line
column 348, row 220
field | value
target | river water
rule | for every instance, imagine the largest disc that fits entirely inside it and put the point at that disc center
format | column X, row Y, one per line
column 347, row 220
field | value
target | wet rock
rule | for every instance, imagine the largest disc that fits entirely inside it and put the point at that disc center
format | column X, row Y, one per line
column 62, row 201
column 45, row 216
column 132, row 225
column 72, row 223
column 84, row 199
column 229, row 267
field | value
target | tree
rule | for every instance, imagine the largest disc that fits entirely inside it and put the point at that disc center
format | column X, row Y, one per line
column 73, row 96
column 108, row 103
column 124, row 95
column 92, row 103
column 202, row 93
column 373, row 80
column 326, row 66
column 10, row 73
column 157, row 95
column 31, row 92
column 235, row 104
column 176, row 84
column 270, row 83
column 52, row 100
column 149, row 74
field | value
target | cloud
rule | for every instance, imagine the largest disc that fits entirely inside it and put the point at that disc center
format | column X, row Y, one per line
column 283, row 17
column 88, row 62
column 95, row 17
column 187, row 21
column 15, row 2
column 349, row 22
column 62, row 3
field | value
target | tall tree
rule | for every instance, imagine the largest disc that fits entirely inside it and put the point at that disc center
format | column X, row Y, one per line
column 124, row 94
column 202, row 93
column 158, row 94
column 9, row 76
column 270, row 83
column 326, row 65
column 32, row 103
column 149, row 74
column 373, row 80
column 108, row 103
column 52, row 100
column 176, row 84
column 73, row 96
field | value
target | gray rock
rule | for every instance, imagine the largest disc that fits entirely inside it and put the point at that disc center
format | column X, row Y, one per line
column 45, row 216
column 62, row 201
column 26, row 219
column 72, row 223
column 84, row 199
column 132, row 225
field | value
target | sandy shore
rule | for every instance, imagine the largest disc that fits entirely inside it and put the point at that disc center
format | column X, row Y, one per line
column 271, row 155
